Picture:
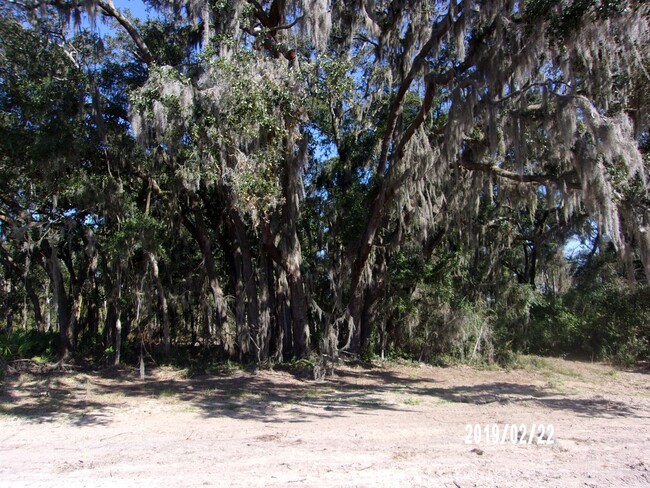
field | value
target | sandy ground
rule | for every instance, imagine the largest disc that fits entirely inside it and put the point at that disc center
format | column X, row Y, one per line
column 386, row 426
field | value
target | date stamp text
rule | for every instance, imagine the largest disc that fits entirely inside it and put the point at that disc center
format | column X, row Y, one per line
column 543, row 434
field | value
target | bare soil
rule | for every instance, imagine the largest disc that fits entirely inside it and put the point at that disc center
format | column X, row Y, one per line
column 385, row 426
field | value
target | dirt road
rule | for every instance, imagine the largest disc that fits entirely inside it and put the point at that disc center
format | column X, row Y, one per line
column 391, row 426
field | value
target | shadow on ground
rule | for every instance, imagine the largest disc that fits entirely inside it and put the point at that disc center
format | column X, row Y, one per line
column 90, row 398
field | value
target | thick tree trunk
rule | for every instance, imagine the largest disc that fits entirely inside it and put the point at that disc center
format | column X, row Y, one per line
column 263, row 335
column 199, row 231
column 284, row 332
column 92, row 311
column 113, row 319
column 368, row 319
column 60, row 299
column 207, row 322
column 10, row 321
column 292, row 300
column 250, row 288
column 92, row 316
column 75, row 317
column 241, row 328
column 380, row 206
column 36, row 305
column 109, row 324
column 249, row 285
column 292, row 252
column 299, row 316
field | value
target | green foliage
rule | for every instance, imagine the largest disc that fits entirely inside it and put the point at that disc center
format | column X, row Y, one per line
column 555, row 328
column 565, row 18
column 616, row 318
column 41, row 108
column 605, row 316
column 169, row 44
column 28, row 345
column 238, row 166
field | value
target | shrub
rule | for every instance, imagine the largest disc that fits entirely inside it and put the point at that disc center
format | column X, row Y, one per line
column 28, row 344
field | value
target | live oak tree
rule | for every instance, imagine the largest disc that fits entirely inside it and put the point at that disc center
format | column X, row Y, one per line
column 307, row 153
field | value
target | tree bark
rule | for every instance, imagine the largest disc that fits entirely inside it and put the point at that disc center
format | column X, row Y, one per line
column 199, row 231
column 263, row 333
column 36, row 304
column 60, row 298
column 284, row 336
column 117, row 304
column 368, row 319
column 240, row 302
column 299, row 316
column 292, row 255
column 249, row 285
column 162, row 300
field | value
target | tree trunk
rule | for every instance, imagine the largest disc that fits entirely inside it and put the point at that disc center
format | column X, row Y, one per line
column 48, row 307
column 162, row 300
column 299, row 316
column 292, row 252
column 249, row 282
column 284, row 332
column 118, row 338
column 117, row 303
column 75, row 316
column 368, row 318
column 60, row 299
column 200, row 234
column 24, row 308
column 380, row 205
column 240, row 302
column 263, row 335
column 36, row 304
column 207, row 321
column 92, row 313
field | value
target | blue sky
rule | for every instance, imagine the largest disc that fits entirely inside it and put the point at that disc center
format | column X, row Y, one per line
column 136, row 7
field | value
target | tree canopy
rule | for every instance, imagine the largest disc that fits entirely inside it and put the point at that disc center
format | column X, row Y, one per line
column 264, row 179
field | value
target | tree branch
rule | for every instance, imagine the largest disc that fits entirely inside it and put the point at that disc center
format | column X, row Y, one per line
column 437, row 33
column 110, row 10
column 568, row 178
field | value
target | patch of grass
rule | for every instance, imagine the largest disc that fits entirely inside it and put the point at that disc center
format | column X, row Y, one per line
column 440, row 401
column 554, row 382
column 317, row 392
column 217, row 369
column 557, row 368
column 248, row 396
column 302, row 363
column 393, row 361
column 412, row 401
column 545, row 366
column 488, row 366
column 531, row 363
column 166, row 393
column 445, row 361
